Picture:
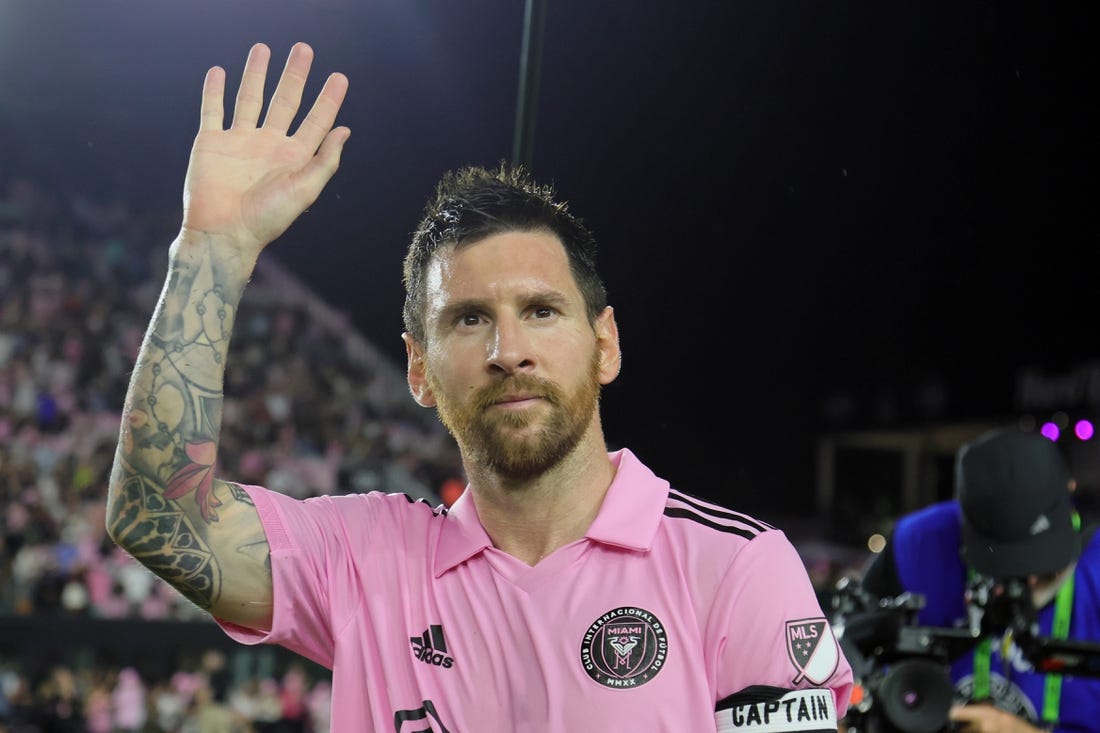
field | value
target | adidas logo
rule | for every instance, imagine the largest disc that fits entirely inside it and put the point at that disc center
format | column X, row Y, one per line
column 431, row 648
column 1042, row 524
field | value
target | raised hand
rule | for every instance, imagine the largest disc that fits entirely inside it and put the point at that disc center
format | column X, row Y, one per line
column 247, row 183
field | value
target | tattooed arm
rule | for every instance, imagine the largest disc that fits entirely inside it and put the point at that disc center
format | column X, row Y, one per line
column 245, row 185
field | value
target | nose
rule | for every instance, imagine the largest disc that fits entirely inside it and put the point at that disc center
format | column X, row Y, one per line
column 510, row 349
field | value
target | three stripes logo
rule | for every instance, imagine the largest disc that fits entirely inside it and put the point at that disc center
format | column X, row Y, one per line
column 431, row 648
column 685, row 506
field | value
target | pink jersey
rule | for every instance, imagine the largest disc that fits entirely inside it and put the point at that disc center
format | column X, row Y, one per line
column 672, row 614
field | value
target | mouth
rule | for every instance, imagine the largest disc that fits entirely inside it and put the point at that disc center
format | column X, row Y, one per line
column 516, row 394
column 516, row 400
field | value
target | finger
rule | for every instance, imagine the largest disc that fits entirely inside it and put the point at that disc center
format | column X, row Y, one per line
column 322, row 115
column 967, row 717
column 250, row 95
column 288, row 94
column 212, row 112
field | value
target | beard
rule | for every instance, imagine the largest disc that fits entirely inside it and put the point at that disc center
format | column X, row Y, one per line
column 504, row 441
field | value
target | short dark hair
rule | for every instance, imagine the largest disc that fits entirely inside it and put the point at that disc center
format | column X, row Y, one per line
column 473, row 203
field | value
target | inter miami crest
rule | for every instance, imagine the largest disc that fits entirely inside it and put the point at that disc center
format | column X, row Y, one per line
column 625, row 647
column 813, row 649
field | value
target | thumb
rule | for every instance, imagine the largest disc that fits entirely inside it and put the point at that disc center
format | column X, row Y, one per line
column 322, row 166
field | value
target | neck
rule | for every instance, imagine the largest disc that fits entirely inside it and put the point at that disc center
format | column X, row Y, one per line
column 532, row 518
column 1044, row 593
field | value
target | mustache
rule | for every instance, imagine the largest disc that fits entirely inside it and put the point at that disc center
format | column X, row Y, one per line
column 523, row 384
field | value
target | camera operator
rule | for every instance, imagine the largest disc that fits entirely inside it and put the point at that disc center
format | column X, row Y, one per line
column 1013, row 524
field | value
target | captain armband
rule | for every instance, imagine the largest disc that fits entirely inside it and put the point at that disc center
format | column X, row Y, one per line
column 773, row 710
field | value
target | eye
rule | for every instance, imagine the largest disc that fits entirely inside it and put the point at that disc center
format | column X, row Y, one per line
column 469, row 319
column 544, row 311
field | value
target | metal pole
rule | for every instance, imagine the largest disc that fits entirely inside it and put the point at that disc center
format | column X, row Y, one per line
column 530, row 68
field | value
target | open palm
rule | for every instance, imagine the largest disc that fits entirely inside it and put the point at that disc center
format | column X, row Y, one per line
column 249, row 182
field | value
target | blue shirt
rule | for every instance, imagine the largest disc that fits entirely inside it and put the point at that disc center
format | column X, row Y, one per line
column 926, row 550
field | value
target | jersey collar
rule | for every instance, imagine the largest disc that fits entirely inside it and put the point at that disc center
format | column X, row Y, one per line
column 629, row 517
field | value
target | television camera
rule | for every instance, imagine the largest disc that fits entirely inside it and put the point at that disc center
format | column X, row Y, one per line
column 902, row 669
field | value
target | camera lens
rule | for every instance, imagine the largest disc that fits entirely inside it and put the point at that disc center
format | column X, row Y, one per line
column 915, row 696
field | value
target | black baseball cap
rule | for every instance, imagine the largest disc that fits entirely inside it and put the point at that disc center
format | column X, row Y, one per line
column 1017, row 511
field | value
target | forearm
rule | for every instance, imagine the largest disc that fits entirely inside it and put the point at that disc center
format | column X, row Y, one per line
column 162, row 502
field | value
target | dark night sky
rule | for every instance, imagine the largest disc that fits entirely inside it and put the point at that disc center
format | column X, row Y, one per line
column 793, row 199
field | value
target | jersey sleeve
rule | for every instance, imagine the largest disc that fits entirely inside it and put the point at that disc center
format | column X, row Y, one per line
column 315, row 583
column 780, row 668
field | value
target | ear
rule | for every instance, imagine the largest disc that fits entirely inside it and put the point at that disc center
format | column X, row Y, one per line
column 607, row 342
column 418, row 381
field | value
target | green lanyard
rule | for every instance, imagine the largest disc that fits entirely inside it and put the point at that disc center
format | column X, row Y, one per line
column 1052, row 690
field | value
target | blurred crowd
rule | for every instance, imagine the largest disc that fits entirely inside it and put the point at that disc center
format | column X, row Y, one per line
column 310, row 408
column 204, row 695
